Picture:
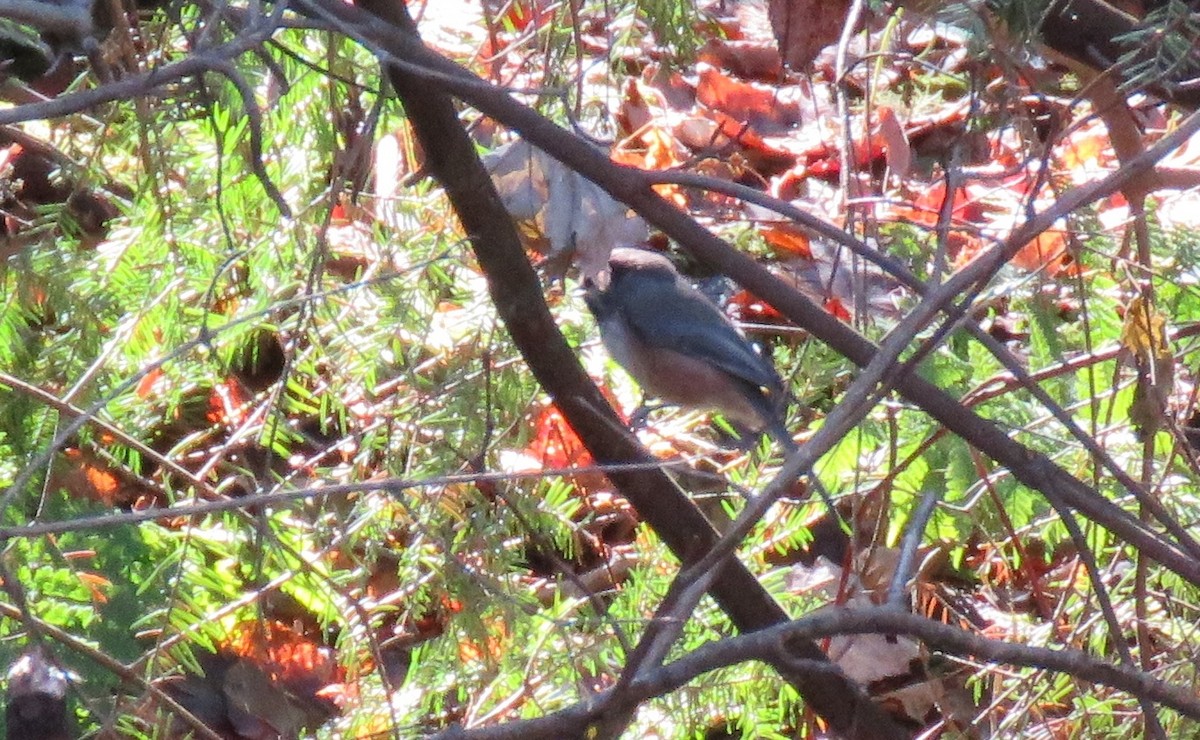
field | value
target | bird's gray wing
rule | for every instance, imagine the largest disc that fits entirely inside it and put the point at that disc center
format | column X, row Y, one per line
column 685, row 321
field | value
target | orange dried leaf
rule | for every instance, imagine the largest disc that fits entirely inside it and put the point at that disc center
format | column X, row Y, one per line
column 662, row 151
column 767, row 159
column 227, row 404
column 282, row 652
column 10, row 153
column 1087, row 148
column 653, row 148
column 1047, row 249
column 964, row 247
column 758, row 106
column 837, row 309
column 634, row 112
column 927, row 205
column 789, row 241
column 555, row 443
column 341, row 695
column 451, row 604
column 488, row 649
column 96, row 584
column 748, row 307
column 146, row 384
column 82, row 475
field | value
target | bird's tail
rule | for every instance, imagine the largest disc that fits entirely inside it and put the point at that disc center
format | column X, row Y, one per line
column 779, row 432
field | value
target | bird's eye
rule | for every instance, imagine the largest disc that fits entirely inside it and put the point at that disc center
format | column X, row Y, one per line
column 597, row 283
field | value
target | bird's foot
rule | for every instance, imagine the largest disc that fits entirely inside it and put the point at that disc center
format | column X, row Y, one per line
column 641, row 414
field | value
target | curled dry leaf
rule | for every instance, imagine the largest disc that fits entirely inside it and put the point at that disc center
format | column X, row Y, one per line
column 1144, row 346
column 804, row 27
column 891, row 667
column 1048, row 249
column 1144, row 333
column 653, row 148
column 571, row 215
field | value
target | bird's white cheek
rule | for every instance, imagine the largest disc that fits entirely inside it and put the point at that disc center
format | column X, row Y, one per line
column 620, row 343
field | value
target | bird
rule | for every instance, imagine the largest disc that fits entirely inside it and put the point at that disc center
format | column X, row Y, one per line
column 680, row 347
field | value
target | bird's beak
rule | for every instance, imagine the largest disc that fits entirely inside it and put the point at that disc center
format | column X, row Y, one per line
column 590, row 294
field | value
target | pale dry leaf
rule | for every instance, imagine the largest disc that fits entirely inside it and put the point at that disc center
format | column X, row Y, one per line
column 869, row 657
column 822, row 578
column 897, row 149
column 573, row 215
